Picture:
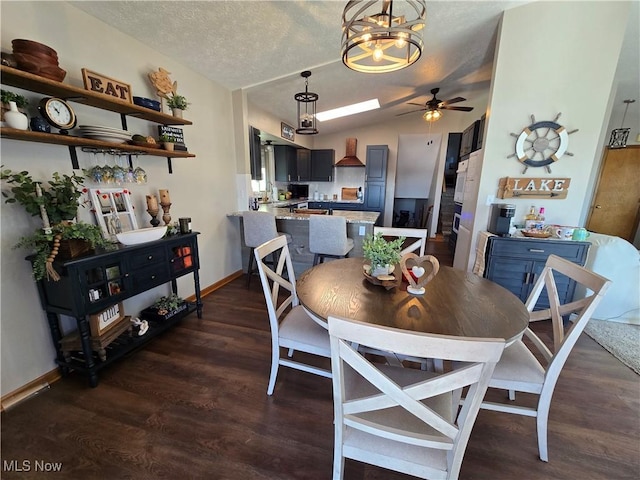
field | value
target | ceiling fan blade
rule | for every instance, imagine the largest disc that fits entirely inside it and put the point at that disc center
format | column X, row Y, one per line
column 413, row 103
column 453, row 100
column 412, row 111
column 461, row 109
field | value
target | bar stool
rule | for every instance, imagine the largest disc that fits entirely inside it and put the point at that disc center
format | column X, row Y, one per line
column 328, row 237
column 259, row 227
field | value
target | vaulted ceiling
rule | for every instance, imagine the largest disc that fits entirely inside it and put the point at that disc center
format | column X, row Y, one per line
column 263, row 46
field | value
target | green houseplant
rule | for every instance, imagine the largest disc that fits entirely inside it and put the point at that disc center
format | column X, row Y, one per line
column 7, row 96
column 382, row 254
column 165, row 308
column 177, row 103
column 59, row 200
column 167, row 142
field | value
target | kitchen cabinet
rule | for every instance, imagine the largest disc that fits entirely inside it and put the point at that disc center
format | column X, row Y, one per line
column 376, row 179
column 27, row 81
column 453, row 156
column 322, row 165
column 352, row 206
column 93, row 283
column 303, row 165
column 469, row 141
column 481, row 125
column 285, row 163
column 516, row 263
column 255, row 154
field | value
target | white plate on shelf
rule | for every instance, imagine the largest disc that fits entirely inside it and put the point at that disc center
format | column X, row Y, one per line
column 142, row 235
column 104, row 138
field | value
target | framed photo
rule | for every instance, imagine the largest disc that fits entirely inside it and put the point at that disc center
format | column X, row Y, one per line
column 287, row 131
column 113, row 210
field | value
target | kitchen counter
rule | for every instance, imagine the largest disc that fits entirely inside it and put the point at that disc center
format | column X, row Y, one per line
column 359, row 224
column 352, row 216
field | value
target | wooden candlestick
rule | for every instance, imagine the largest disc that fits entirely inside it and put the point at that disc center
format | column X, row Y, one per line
column 165, row 208
column 154, row 213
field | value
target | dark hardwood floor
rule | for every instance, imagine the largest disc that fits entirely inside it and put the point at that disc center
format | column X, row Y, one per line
column 192, row 404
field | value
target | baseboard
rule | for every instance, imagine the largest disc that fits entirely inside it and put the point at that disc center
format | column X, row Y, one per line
column 44, row 381
column 30, row 389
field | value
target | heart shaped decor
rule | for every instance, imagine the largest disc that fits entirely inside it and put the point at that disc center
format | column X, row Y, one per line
column 415, row 267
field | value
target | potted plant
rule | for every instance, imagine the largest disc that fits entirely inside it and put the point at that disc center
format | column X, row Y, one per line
column 14, row 103
column 7, row 96
column 177, row 103
column 383, row 255
column 167, row 142
column 165, row 307
column 57, row 204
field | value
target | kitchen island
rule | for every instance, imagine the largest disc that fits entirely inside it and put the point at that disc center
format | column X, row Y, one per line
column 296, row 223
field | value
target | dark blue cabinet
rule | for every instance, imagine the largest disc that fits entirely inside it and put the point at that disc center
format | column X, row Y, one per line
column 516, row 263
column 376, row 179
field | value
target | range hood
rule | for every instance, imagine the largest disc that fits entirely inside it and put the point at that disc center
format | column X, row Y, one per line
column 350, row 159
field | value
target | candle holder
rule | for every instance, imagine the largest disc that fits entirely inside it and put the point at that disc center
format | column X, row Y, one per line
column 154, row 213
column 166, row 217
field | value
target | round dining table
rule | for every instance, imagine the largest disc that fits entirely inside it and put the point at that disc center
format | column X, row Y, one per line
column 455, row 302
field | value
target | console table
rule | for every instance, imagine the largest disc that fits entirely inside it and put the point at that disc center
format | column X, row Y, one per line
column 94, row 282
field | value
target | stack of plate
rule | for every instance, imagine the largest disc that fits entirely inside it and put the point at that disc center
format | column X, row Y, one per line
column 104, row 134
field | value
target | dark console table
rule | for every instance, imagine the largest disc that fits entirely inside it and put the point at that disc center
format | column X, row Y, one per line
column 93, row 283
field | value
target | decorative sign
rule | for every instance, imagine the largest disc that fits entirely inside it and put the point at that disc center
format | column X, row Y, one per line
column 554, row 188
column 107, row 86
column 287, row 131
column 176, row 134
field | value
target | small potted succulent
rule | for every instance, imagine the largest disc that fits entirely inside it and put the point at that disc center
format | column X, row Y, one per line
column 382, row 255
column 177, row 104
column 165, row 308
column 167, row 142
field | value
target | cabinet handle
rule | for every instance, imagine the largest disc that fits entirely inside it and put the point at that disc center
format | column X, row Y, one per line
column 526, row 278
column 153, row 277
column 172, row 260
column 330, row 178
column 289, row 177
column 536, row 250
column 533, row 278
column 126, row 275
column 149, row 257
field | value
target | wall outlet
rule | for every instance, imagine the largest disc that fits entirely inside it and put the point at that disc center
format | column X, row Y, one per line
column 491, row 199
column 361, row 231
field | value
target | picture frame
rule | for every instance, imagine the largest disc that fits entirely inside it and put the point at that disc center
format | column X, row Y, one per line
column 113, row 210
column 96, row 82
column 287, row 131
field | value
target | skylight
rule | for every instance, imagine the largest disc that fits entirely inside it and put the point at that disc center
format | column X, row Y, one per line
column 348, row 110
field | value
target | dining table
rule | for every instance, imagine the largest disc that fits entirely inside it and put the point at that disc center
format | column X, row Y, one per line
column 455, row 302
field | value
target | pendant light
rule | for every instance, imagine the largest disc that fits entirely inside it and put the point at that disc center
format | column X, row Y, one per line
column 306, row 108
column 620, row 135
column 382, row 36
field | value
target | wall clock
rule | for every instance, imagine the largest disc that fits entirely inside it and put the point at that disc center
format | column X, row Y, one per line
column 58, row 113
column 541, row 143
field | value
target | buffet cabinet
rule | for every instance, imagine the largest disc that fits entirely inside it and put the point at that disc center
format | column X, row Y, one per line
column 97, row 282
column 516, row 263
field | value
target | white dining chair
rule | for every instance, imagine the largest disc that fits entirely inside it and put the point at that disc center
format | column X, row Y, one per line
column 520, row 370
column 405, row 419
column 291, row 327
column 418, row 235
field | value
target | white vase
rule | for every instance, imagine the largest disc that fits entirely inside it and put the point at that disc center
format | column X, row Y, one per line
column 382, row 270
column 177, row 112
column 16, row 119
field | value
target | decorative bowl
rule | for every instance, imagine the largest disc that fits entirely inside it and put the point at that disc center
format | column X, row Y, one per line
column 147, row 103
column 142, row 235
column 26, row 46
column 34, row 59
column 536, row 233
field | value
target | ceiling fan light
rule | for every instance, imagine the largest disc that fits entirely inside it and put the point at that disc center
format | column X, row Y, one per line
column 432, row 115
column 398, row 38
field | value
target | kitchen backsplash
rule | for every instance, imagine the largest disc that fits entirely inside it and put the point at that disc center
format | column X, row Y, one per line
column 344, row 177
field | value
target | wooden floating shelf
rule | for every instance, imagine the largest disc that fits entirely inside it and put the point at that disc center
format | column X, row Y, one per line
column 73, row 141
column 27, row 81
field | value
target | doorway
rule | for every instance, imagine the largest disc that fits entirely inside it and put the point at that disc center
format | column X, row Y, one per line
column 616, row 205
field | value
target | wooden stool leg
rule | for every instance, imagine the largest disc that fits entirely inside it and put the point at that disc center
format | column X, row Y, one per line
column 316, row 259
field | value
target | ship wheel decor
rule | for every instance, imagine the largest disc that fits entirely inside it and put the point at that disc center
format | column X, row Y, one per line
column 541, row 143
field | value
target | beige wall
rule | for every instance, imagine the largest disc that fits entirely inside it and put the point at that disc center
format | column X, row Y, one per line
column 203, row 188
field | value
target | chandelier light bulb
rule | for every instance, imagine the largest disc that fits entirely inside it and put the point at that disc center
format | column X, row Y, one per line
column 401, row 40
column 432, row 115
column 378, row 53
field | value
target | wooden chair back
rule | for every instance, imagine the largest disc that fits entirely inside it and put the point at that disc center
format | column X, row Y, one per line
column 418, row 234
column 382, row 410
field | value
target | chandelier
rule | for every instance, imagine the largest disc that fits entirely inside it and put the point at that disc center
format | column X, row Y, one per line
column 377, row 39
column 306, row 108
column 432, row 115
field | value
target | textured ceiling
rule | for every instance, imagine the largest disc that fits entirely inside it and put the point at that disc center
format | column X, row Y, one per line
column 262, row 46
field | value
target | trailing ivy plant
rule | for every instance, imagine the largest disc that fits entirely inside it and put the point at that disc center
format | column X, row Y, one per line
column 60, row 197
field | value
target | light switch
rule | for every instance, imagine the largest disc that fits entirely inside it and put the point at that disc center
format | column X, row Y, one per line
column 491, row 199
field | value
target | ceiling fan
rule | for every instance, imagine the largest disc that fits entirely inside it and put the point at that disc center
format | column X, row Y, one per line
column 435, row 105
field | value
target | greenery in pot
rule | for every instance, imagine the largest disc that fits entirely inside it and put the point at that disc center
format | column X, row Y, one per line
column 44, row 243
column 380, row 252
column 7, row 96
column 166, row 139
column 177, row 101
column 167, row 304
column 60, row 198
column 60, row 201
